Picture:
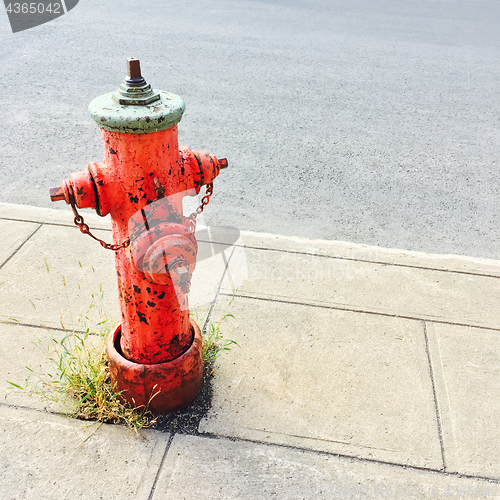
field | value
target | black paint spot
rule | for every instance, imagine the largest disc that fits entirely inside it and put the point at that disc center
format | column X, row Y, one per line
column 151, row 304
column 142, row 317
column 162, row 294
column 112, row 151
column 137, row 289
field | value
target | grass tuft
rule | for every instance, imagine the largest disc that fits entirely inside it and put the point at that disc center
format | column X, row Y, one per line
column 81, row 380
column 213, row 345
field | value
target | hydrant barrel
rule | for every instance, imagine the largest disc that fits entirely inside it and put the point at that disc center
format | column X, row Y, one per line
column 156, row 349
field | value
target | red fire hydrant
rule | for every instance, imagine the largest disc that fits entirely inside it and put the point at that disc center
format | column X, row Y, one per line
column 155, row 354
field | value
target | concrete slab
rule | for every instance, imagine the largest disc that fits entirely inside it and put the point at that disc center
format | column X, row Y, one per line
column 47, row 456
column 365, row 286
column 466, row 366
column 206, row 279
column 200, row 468
column 14, row 234
column 215, row 262
column 18, row 350
column 58, row 277
column 326, row 380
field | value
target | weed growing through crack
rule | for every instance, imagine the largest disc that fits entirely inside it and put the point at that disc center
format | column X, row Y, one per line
column 212, row 341
column 81, row 380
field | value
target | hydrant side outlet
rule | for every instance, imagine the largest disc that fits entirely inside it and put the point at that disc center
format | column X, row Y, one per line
column 156, row 349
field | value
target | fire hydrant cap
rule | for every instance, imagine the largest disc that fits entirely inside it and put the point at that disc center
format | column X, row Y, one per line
column 158, row 115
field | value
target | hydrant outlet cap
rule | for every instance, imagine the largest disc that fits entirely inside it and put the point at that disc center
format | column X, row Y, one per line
column 159, row 115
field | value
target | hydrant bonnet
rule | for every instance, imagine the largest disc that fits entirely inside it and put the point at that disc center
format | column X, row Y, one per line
column 135, row 108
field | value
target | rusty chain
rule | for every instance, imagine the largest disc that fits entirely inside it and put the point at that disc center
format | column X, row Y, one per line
column 204, row 202
column 84, row 228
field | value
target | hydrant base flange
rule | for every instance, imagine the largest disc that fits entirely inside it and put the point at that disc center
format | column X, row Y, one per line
column 163, row 387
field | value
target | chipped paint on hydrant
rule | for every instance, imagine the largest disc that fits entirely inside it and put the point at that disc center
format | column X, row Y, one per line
column 157, row 348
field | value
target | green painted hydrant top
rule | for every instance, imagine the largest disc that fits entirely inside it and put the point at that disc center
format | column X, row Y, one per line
column 135, row 108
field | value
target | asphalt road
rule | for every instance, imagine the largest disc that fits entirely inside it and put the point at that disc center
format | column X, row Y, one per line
column 373, row 122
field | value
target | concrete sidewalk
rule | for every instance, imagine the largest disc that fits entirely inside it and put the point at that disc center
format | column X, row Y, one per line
column 361, row 372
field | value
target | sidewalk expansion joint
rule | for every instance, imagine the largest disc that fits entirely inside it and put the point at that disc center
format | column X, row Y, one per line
column 434, row 394
column 58, row 224
column 353, row 458
column 29, row 409
column 368, row 261
column 361, row 311
column 158, row 472
column 45, row 327
column 21, row 245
